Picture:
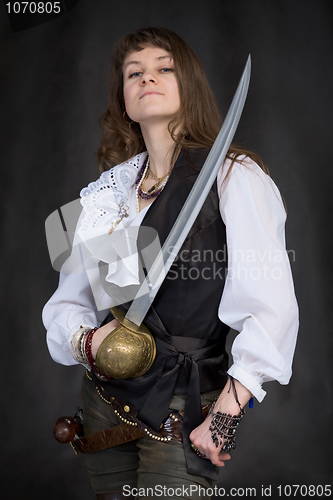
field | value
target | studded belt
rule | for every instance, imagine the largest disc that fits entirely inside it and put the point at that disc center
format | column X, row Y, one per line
column 67, row 429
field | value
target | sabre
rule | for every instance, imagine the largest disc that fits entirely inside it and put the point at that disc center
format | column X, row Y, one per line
column 192, row 206
column 107, row 357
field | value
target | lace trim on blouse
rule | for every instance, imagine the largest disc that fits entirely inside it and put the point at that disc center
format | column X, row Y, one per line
column 103, row 199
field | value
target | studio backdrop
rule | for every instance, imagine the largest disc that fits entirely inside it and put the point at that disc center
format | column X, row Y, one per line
column 54, row 84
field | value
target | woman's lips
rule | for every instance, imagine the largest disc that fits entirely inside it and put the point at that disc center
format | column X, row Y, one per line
column 150, row 92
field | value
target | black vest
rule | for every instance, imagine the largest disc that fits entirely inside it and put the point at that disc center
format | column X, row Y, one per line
column 190, row 337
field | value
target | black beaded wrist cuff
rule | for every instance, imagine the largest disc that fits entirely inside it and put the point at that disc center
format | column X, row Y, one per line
column 223, row 428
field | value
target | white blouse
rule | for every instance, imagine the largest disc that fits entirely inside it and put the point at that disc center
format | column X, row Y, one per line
column 258, row 299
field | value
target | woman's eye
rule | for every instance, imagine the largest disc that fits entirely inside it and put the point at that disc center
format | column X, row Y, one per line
column 136, row 73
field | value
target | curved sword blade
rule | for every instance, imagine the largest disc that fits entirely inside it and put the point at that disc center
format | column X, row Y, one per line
column 193, row 204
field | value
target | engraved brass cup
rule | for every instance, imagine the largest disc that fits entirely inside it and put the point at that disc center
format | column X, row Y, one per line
column 128, row 351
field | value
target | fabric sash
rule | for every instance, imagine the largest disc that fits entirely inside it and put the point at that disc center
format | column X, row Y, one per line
column 181, row 352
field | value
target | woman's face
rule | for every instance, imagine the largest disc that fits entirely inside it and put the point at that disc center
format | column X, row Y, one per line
column 151, row 90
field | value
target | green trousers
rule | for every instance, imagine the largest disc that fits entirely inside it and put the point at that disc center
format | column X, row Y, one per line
column 145, row 468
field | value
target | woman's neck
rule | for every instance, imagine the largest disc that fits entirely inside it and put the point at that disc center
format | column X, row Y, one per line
column 160, row 147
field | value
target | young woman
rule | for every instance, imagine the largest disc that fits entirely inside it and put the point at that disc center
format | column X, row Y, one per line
column 232, row 271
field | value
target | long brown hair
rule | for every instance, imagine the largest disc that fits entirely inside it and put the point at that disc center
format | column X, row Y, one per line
column 198, row 118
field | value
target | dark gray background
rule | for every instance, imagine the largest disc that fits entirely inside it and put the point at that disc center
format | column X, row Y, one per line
column 54, row 81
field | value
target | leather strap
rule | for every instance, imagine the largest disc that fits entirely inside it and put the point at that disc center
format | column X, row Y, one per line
column 132, row 428
column 108, row 438
column 126, row 432
column 123, row 433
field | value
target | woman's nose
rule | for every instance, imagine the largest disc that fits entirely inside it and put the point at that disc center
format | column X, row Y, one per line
column 146, row 77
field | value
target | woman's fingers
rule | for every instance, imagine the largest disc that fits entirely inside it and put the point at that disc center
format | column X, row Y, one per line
column 218, row 459
column 101, row 334
column 203, row 444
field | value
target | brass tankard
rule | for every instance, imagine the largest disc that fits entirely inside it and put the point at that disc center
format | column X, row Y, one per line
column 128, row 351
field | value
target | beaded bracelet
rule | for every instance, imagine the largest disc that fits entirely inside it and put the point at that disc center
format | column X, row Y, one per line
column 82, row 347
column 76, row 344
column 87, row 351
column 223, row 426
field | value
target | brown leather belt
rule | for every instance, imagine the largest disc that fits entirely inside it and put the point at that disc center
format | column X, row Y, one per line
column 123, row 433
column 68, row 430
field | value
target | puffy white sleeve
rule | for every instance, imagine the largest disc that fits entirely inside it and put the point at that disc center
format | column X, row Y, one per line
column 258, row 298
column 78, row 301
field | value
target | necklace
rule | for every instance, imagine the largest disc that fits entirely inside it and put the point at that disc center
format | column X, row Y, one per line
column 154, row 191
column 160, row 179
